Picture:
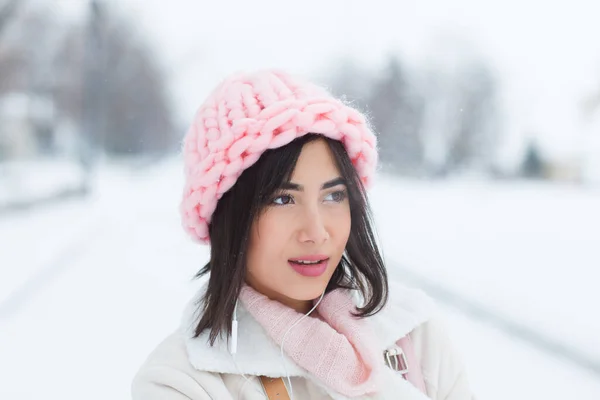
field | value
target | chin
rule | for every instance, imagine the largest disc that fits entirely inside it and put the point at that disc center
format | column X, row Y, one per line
column 308, row 291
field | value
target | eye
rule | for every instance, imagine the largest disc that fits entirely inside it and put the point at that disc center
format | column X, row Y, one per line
column 337, row 196
column 283, row 200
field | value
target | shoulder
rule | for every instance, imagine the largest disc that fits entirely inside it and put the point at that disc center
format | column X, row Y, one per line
column 410, row 311
column 441, row 361
column 406, row 309
column 167, row 374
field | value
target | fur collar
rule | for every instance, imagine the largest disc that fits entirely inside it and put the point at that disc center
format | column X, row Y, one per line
column 258, row 355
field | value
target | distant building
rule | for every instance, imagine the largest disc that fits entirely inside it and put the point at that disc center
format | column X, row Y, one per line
column 27, row 126
column 564, row 170
column 39, row 154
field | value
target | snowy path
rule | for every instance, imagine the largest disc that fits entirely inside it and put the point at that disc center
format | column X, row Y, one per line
column 115, row 295
column 530, row 252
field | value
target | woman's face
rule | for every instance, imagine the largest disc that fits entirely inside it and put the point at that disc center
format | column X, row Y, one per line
column 298, row 240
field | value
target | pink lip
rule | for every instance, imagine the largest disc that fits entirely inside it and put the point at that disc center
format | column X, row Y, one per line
column 313, row 270
column 313, row 257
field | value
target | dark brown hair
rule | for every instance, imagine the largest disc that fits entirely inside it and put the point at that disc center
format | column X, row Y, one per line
column 361, row 266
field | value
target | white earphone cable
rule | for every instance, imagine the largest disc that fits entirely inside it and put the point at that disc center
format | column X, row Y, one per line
column 233, row 351
column 283, row 343
column 233, row 347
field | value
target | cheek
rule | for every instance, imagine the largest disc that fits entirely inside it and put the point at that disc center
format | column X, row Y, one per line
column 341, row 225
column 272, row 231
column 267, row 242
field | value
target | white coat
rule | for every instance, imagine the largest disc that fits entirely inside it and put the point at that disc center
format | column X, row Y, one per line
column 187, row 368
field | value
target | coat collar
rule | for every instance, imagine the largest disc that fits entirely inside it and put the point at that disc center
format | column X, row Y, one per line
column 258, row 355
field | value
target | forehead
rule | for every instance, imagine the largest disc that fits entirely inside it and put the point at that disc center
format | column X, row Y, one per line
column 316, row 163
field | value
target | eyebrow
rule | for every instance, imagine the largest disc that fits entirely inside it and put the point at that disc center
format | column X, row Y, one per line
column 326, row 185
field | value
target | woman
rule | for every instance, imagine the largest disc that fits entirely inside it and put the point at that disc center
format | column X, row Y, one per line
column 297, row 303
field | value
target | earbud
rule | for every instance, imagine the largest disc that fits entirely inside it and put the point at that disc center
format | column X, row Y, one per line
column 234, row 337
column 234, row 331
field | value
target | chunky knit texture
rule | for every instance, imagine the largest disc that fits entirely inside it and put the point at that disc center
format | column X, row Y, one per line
column 337, row 348
column 248, row 114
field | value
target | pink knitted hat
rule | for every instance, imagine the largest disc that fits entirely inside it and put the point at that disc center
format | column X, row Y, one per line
column 248, row 114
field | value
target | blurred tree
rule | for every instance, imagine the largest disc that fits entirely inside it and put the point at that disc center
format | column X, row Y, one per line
column 110, row 71
column 11, row 63
column 533, row 164
column 11, row 60
column 34, row 43
column 27, row 51
column 473, row 143
column 397, row 111
column 8, row 10
column 103, row 77
column 462, row 125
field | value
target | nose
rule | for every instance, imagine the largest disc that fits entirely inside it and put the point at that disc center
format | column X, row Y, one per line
column 313, row 229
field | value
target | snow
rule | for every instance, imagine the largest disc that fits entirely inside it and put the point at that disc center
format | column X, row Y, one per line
column 501, row 368
column 525, row 250
column 23, row 181
column 88, row 288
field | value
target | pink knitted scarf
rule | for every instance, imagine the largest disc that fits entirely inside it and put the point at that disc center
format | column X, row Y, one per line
column 336, row 348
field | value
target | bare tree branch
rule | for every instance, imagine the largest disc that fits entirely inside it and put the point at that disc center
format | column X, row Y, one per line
column 7, row 11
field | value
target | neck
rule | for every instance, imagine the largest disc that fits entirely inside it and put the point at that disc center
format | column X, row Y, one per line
column 300, row 306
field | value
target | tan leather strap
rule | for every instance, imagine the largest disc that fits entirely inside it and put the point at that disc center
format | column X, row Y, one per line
column 275, row 388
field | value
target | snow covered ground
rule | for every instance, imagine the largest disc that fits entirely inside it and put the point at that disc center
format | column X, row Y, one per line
column 87, row 288
column 27, row 181
column 529, row 251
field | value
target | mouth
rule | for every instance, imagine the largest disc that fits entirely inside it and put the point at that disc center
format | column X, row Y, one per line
column 311, row 266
